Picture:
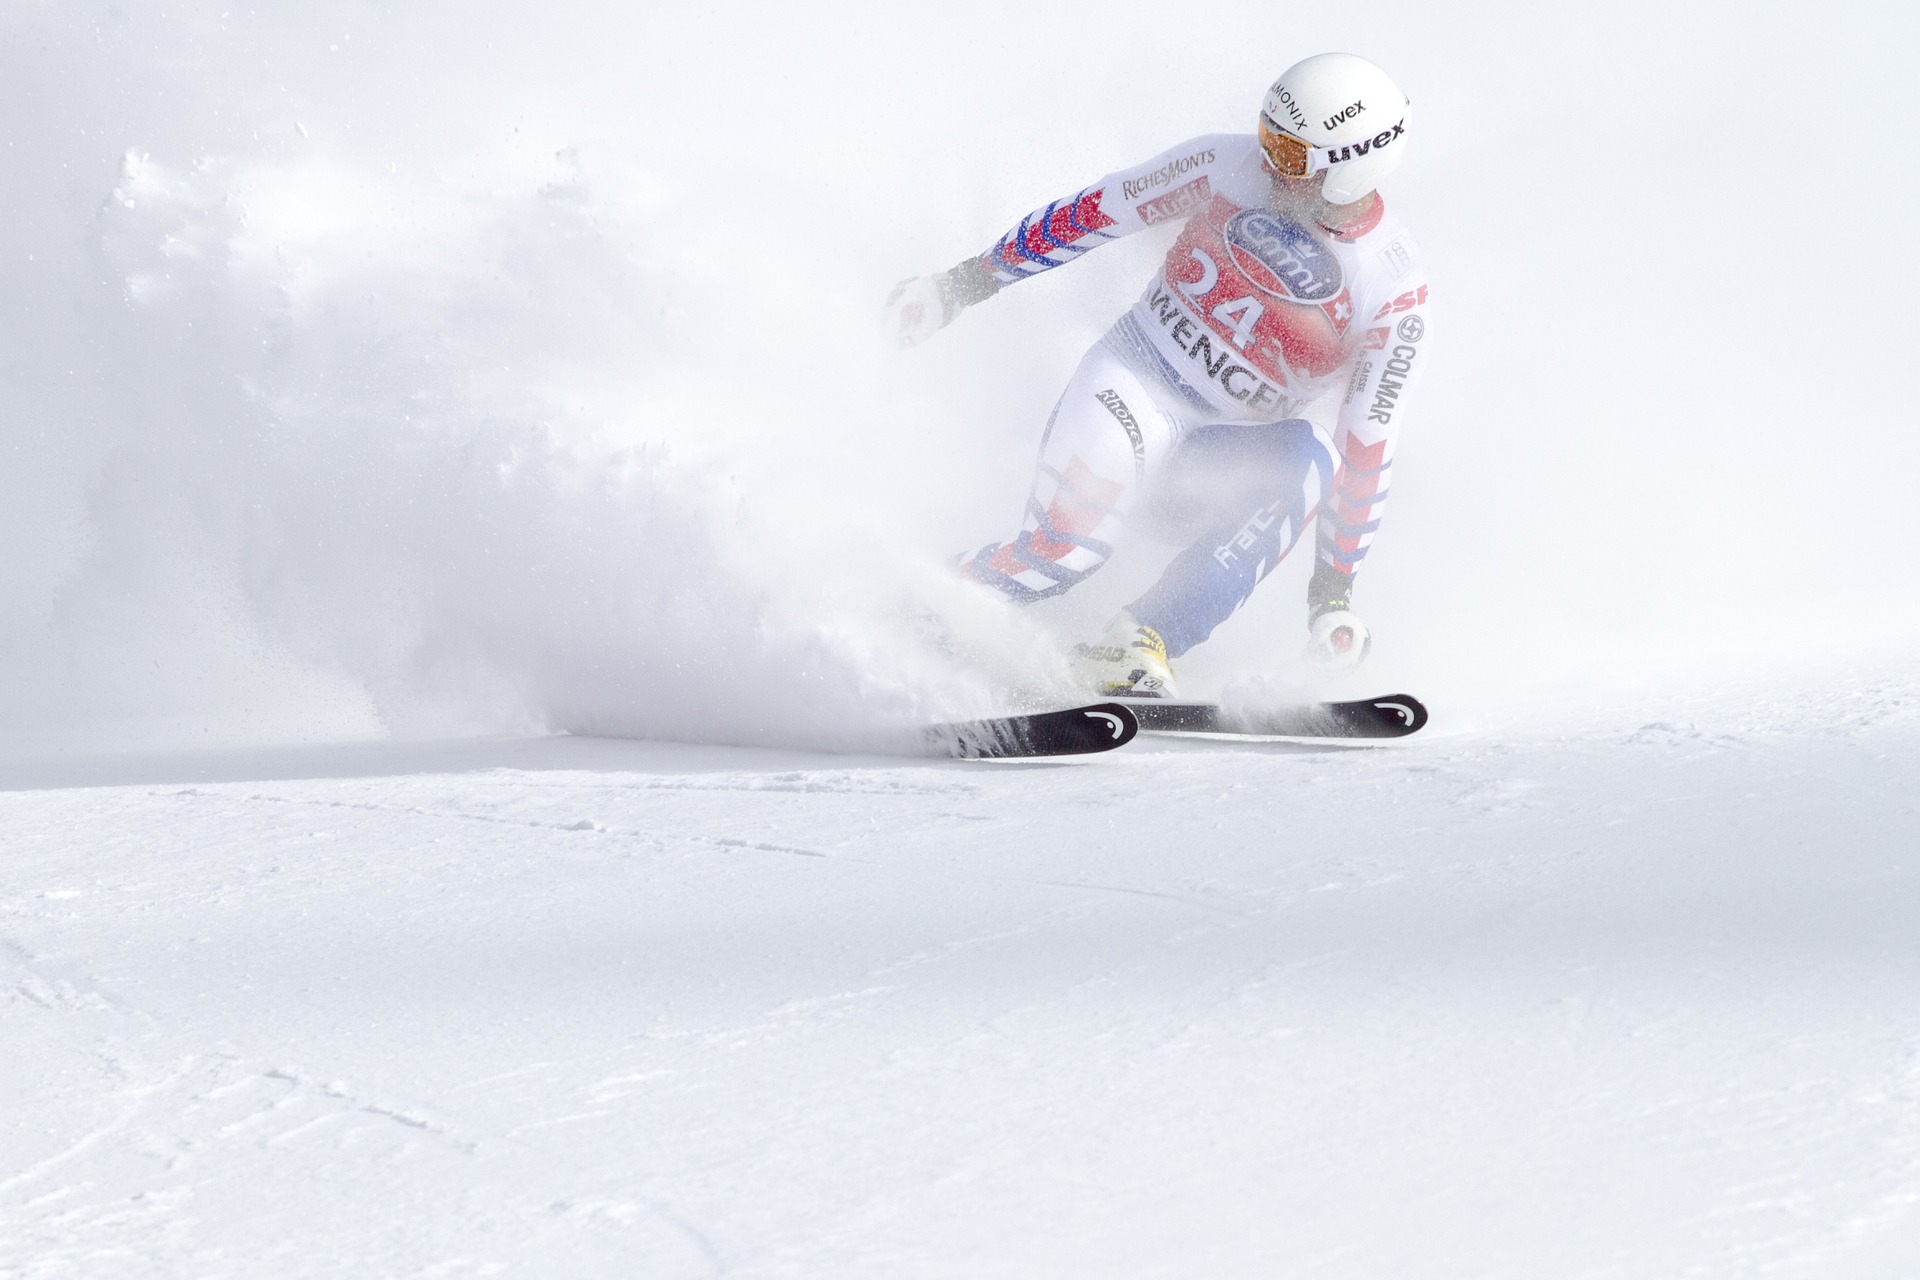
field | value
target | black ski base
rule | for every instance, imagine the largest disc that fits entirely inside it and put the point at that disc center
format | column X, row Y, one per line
column 1392, row 716
column 1076, row 731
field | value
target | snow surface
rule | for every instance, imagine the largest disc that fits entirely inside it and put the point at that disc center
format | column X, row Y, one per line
column 388, row 391
column 1609, row 997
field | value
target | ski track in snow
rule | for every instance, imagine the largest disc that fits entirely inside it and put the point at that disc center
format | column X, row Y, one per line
column 1513, row 1000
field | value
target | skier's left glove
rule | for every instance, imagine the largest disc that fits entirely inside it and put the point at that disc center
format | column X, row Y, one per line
column 920, row 307
column 1336, row 638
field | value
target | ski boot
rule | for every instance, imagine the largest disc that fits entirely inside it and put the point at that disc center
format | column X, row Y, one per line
column 1130, row 661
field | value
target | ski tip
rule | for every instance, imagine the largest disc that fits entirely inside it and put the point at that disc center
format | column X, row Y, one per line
column 1074, row 731
column 1116, row 719
column 1400, row 711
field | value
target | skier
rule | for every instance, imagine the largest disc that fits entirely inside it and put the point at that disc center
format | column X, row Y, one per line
column 1289, row 282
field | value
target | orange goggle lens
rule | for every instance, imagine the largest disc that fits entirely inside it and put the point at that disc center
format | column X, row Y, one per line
column 1289, row 156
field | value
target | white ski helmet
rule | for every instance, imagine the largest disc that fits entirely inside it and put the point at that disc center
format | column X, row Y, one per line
column 1340, row 113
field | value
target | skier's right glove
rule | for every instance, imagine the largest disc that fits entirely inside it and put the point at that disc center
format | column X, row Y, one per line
column 920, row 307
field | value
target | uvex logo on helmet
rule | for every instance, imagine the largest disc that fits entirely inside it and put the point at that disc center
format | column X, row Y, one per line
column 1378, row 142
column 1339, row 118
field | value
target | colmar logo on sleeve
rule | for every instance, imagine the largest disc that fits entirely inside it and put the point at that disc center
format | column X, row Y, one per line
column 1393, row 377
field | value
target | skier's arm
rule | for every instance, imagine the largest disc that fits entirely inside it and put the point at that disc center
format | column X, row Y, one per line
column 1168, row 186
column 1392, row 358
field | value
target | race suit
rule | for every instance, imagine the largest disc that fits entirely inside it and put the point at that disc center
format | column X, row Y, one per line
column 1189, row 410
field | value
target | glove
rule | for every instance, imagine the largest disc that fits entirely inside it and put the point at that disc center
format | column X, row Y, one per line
column 1336, row 638
column 916, row 310
column 922, row 306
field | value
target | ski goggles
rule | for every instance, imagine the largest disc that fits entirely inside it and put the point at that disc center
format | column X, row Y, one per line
column 1292, row 158
column 1287, row 155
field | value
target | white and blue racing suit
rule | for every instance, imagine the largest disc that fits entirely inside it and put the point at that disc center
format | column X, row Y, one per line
column 1193, row 408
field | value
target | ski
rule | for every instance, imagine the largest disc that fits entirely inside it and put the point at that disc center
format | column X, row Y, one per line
column 1392, row 716
column 1075, row 731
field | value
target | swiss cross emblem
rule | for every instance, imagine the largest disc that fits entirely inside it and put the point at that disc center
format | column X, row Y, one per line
column 1340, row 311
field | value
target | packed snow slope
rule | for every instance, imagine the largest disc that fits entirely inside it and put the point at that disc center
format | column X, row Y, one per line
column 1628, row 991
column 390, row 390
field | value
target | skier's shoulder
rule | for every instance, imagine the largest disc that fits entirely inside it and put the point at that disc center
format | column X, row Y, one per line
column 1173, row 182
column 1383, row 237
column 1208, row 152
column 1385, row 257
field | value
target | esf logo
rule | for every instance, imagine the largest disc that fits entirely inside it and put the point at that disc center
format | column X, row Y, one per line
column 1405, row 302
column 1282, row 257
